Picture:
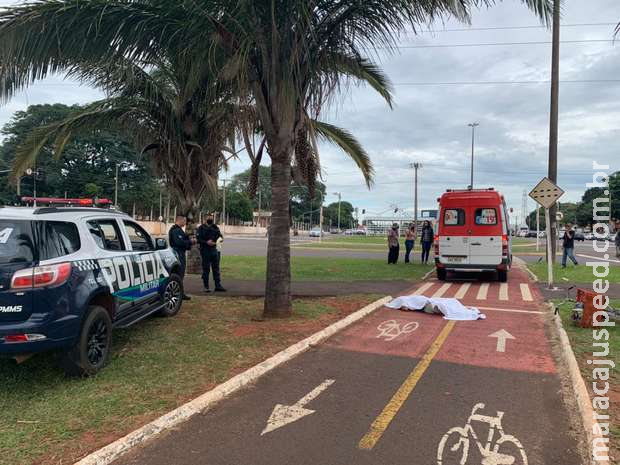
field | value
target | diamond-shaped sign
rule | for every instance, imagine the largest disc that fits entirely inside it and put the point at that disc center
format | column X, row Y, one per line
column 546, row 193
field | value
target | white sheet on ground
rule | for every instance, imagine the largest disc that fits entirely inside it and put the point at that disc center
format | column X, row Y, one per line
column 451, row 309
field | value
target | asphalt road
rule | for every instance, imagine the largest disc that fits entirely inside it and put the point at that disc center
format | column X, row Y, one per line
column 399, row 388
column 584, row 251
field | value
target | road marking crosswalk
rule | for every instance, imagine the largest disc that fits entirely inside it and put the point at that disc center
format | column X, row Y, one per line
column 503, row 291
column 462, row 290
column 483, row 291
column 442, row 290
column 526, row 293
column 423, row 288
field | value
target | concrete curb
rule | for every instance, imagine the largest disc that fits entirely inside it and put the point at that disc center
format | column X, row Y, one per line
column 521, row 264
column 112, row 452
column 430, row 272
column 584, row 403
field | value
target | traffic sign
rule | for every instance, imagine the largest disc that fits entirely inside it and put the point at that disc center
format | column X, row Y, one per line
column 546, row 193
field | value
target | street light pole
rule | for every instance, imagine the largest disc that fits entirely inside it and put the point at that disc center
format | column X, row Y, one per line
column 339, row 199
column 473, row 127
column 116, row 186
column 416, row 167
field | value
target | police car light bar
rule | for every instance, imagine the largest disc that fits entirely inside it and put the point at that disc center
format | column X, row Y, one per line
column 59, row 201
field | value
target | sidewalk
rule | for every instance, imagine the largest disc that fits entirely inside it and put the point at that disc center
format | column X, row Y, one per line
column 244, row 288
column 399, row 388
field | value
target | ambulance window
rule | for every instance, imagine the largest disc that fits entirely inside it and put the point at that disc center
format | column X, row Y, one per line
column 486, row 216
column 139, row 238
column 106, row 234
column 58, row 238
column 454, row 217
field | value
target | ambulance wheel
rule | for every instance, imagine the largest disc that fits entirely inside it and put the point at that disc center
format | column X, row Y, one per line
column 173, row 296
column 502, row 276
column 92, row 350
column 441, row 274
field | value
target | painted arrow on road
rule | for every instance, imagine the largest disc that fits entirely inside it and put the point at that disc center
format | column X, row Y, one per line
column 283, row 415
column 502, row 335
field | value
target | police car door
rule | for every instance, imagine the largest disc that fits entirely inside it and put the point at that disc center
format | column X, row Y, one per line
column 148, row 269
column 111, row 255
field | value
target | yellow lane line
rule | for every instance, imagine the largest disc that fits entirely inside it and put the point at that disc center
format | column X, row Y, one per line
column 381, row 423
column 442, row 290
column 462, row 290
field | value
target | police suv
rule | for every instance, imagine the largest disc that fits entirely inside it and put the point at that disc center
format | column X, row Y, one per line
column 68, row 276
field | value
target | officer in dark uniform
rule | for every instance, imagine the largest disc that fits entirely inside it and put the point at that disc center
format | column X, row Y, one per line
column 208, row 235
column 180, row 243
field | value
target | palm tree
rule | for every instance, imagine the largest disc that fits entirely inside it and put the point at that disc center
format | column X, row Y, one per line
column 294, row 57
column 169, row 104
column 290, row 58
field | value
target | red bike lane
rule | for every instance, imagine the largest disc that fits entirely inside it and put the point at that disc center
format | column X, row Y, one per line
column 400, row 387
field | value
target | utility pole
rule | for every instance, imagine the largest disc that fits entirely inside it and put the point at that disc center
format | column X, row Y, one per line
column 339, row 200
column 473, row 127
column 553, row 126
column 116, row 187
column 416, row 167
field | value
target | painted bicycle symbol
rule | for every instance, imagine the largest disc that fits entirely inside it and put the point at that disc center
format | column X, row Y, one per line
column 392, row 329
column 505, row 450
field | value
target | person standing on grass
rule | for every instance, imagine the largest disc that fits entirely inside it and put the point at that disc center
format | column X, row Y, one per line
column 568, row 244
column 426, row 239
column 209, row 238
column 393, row 244
column 409, row 241
column 180, row 242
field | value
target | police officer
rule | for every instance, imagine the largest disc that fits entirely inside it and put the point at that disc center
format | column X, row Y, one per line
column 180, row 243
column 208, row 236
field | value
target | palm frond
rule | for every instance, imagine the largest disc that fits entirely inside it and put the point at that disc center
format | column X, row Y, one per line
column 349, row 145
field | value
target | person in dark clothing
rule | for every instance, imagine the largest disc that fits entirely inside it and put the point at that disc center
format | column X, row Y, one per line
column 180, row 242
column 393, row 244
column 409, row 242
column 568, row 244
column 426, row 238
column 208, row 235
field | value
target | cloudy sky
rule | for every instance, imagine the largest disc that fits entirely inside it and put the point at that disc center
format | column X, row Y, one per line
column 459, row 74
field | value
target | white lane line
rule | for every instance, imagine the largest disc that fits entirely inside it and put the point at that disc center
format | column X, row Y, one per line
column 483, row 291
column 442, row 290
column 600, row 259
column 423, row 288
column 503, row 291
column 510, row 310
column 526, row 293
column 462, row 290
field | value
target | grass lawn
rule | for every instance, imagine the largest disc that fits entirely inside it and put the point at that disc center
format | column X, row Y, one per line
column 573, row 274
column 156, row 366
column 581, row 340
column 325, row 269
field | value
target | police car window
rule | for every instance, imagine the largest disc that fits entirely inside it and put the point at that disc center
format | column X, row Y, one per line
column 486, row 216
column 16, row 242
column 106, row 234
column 139, row 238
column 58, row 238
column 454, row 217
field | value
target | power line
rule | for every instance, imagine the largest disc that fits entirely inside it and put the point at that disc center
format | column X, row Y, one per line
column 506, row 28
column 485, row 83
column 493, row 44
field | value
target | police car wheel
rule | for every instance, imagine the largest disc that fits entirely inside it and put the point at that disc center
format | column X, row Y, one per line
column 173, row 296
column 92, row 351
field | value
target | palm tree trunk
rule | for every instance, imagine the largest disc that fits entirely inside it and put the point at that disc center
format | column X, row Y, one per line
column 278, row 302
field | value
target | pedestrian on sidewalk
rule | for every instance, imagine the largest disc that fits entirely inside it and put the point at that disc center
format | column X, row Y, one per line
column 409, row 241
column 181, row 243
column 426, row 239
column 209, row 238
column 568, row 244
column 393, row 244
